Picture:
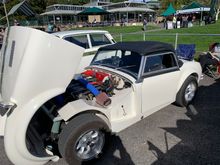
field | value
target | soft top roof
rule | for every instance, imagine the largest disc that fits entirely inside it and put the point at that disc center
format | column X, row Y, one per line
column 143, row 48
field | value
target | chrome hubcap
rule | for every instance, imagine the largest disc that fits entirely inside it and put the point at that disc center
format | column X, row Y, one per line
column 90, row 144
column 190, row 92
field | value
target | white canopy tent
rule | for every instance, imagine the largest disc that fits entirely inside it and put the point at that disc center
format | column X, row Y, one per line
column 195, row 10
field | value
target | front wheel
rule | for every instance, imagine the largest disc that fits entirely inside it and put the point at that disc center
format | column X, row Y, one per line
column 83, row 139
column 187, row 92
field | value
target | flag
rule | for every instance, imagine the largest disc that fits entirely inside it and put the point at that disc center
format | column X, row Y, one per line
column 22, row 7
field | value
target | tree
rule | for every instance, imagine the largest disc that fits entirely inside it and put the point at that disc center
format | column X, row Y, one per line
column 38, row 6
column 68, row 2
column 204, row 2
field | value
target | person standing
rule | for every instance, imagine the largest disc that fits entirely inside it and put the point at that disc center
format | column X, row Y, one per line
column 94, row 22
column 16, row 23
column 50, row 27
column 145, row 24
column 190, row 18
column 174, row 21
column 185, row 21
column 178, row 22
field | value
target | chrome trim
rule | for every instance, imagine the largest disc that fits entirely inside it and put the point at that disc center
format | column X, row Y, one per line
column 141, row 68
column 6, row 107
column 159, row 72
column 90, row 144
column 12, row 53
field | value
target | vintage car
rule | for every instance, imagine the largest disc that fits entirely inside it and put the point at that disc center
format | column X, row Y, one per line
column 90, row 40
column 48, row 111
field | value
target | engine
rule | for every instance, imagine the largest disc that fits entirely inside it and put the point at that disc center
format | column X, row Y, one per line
column 96, row 84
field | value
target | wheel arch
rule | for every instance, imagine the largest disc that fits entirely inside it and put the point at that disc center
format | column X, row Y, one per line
column 97, row 113
column 185, row 76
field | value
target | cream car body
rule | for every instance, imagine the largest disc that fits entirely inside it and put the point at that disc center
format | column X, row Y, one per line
column 36, row 72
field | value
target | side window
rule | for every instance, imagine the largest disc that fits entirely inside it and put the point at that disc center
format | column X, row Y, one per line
column 159, row 62
column 99, row 39
column 131, row 61
column 78, row 40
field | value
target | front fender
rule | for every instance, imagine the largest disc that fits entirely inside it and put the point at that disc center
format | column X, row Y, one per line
column 189, row 68
column 16, row 127
column 79, row 106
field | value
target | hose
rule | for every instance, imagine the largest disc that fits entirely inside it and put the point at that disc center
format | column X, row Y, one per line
column 89, row 86
column 101, row 97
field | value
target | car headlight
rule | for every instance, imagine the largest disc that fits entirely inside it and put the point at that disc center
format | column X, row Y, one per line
column 6, row 107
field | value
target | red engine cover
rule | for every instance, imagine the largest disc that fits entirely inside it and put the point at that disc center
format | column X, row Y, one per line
column 98, row 75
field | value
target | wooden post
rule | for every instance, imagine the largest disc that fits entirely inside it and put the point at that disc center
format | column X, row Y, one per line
column 176, row 41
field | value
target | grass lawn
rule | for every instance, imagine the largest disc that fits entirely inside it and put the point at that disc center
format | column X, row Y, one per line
column 118, row 29
column 186, row 35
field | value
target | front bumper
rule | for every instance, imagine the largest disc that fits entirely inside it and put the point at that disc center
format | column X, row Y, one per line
column 5, row 110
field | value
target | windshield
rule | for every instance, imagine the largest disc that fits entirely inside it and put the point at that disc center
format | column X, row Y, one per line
column 126, row 61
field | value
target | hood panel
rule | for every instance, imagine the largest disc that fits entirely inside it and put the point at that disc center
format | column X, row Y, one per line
column 37, row 62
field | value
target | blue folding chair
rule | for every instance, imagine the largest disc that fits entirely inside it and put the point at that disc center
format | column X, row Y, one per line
column 186, row 51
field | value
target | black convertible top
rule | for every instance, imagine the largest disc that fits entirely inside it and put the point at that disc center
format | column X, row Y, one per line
column 143, row 48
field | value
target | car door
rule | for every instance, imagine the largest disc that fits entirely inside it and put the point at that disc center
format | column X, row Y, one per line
column 160, row 76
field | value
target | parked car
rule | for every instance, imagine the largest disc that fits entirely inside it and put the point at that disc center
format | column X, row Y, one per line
column 90, row 40
column 47, row 112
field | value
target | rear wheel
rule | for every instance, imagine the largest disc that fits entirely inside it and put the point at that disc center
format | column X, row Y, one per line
column 83, row 139
column 187, row 92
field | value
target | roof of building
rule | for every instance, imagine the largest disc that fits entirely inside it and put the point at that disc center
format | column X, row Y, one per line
column 126, row 6
column 143, row 48
column 94, row 11
column 60, row 12
column 130, row 9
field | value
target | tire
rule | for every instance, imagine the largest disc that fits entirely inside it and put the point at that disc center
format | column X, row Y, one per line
column 187, row 92
column 83, row 139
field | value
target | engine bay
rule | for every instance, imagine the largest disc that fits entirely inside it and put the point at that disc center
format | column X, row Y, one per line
column 96, row 84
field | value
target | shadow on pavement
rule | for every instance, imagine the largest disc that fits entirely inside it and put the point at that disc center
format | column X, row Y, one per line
column 200, row 135
column 115, row 154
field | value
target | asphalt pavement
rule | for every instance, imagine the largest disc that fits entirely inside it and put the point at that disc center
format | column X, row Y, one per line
column 171, row 136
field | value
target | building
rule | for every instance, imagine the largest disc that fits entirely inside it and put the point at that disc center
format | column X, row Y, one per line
column 127, row 12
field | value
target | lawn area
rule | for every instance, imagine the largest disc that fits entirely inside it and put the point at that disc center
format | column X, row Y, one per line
column 118, row 29
column 155, row 33
column 185, row 36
